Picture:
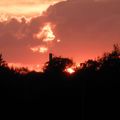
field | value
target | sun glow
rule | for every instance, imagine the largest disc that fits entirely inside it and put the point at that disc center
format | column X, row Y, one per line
column 46, row 35
column 47, row 38
column 70, row 70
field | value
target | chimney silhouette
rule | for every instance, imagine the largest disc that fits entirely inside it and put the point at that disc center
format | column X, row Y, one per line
column 50, row 57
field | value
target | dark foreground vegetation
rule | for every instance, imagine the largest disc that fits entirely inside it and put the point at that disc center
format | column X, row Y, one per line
column 94, row 88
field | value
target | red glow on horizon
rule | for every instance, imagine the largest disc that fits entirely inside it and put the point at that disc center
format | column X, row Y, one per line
column 30, row 67
column 70, row 70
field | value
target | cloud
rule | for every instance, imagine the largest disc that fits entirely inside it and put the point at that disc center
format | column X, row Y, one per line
column 19, row 39
column 40, row 49
column 16, row 37
column 83, row 24
column 86, row 28
column 24, row 7
column 46, row 35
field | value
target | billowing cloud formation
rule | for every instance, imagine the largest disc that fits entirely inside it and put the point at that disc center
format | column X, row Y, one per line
column 18, row 40
column 46, row 35
column 86, row 28
column 16, row 37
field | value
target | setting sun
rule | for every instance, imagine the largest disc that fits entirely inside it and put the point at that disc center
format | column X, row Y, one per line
column 70, row 70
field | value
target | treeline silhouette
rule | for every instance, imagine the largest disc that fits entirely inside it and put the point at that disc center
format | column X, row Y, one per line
column 95, row 85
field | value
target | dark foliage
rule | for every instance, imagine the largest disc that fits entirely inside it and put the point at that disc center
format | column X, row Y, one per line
column 95, row 85
column 58, row 64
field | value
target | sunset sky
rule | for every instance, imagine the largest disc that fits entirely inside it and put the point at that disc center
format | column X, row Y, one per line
column 78, row 29
column 24, row 7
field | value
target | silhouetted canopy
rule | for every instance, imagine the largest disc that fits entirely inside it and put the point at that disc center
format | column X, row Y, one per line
column 58, row 64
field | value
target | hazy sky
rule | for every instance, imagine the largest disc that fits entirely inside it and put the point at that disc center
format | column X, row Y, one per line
column 24, row 7
column 78, row 29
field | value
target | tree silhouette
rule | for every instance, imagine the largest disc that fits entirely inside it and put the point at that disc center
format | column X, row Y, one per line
column 110, row 60
column 91, row 65
column 2, row 62
column 57, row 65
column 21, row 70
column 89, row 86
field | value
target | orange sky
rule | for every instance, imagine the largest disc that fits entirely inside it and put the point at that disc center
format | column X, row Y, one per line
column 78, row 29
column 27, row 8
